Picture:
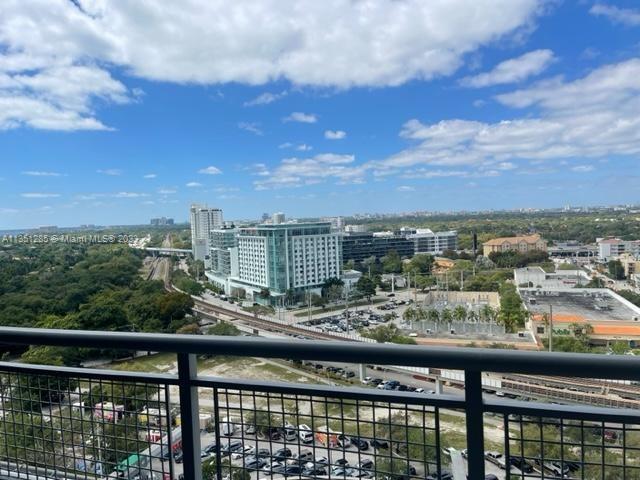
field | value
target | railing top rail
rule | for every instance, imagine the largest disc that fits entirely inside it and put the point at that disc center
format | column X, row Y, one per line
column 470, row 359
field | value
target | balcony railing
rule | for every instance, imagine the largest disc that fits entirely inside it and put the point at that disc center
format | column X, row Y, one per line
column 59, row 422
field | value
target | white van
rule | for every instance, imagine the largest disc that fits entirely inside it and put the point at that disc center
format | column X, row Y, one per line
column 305, row 434
column 290, row 432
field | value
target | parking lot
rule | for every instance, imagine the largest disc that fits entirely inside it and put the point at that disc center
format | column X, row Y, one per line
column 296, row 451
column 354, row 319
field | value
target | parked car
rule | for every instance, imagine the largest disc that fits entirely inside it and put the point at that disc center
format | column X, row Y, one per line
column 360, row 443
column 444, row 475
column 212, row 447
column 366, row 464
column 304, row 455
column 282, row 454
column 305, row 434
column 314, row 471
column 263, row 452
column 380, row 444
column 269, row 466
column 496, row 458
column 231, row 447
column 290, row 432
column 344, row 441
column 227, row 428
column 243, row 452
column 521, row 464
column 254, row 463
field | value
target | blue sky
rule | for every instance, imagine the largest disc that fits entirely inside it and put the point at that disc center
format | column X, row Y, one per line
column 112, row 113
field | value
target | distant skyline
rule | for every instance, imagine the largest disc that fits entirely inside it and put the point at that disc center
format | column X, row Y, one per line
column 314, row 110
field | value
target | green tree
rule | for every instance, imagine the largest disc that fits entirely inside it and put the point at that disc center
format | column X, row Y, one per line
column 459, row 313
column 419, row 264
column 265, row 293
column 391, row 262
column 387, row 334
column 223, row 328
column 366, row 287
column 616, row 270
column 189, row 329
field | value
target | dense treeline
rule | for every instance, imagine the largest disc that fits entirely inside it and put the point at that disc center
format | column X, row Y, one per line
column 560, row 226
column 95, row 287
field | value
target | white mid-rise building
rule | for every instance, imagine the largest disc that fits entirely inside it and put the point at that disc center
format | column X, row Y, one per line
column 612, row 248
column 426, row 241
column 285, row 257
column 203, row 219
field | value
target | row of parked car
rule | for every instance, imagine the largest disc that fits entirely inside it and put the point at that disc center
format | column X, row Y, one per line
column 560, row 469
column 284, row 462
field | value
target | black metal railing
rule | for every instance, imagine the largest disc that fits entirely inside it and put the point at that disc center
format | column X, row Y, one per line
column 60, row 422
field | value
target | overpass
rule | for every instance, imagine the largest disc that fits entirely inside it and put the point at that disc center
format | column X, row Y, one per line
column 181, row 252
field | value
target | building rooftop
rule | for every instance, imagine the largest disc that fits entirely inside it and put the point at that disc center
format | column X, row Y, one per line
column 579, row 305
column 523, row 238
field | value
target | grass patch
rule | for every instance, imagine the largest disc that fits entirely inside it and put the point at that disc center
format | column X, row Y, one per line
column 158, row 363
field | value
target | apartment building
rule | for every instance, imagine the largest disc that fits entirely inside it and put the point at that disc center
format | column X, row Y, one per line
column 203, row 219
column 613, row 248
column 426, row 241
column 297, row 256
column 358, row 246
column 222, row 242
column 521, row 244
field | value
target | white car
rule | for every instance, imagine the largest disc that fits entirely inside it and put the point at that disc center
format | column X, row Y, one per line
column 305, row 434
column 367, row 380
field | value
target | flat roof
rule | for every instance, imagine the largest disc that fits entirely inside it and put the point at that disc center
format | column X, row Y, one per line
column 581, row 305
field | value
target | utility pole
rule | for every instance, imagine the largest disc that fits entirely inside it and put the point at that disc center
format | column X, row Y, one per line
column 550, row 328
column 461, row 280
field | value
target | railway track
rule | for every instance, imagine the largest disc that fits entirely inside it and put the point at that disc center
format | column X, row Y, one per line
column 577, row 390
column 261, row 323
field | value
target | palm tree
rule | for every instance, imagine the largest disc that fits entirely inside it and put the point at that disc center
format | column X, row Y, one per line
column 459, row 313
column 447, row 316
column 434, row 316
column 409, row 315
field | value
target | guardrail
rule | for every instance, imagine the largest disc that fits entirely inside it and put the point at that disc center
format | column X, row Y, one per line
column 82, row 423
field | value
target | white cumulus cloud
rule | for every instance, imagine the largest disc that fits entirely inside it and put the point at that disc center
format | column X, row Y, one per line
column 335, row 134
column 40, row 173
column 301, row 117
column 298, row 172
column 513, row 70
column 39, row 195
column 265, row 99
column 210, row 170
column 595, row 116
column 57, row 57
column 624, row 16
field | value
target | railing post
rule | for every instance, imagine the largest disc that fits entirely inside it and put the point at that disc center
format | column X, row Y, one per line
column 189, row 416
column 475, row 423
